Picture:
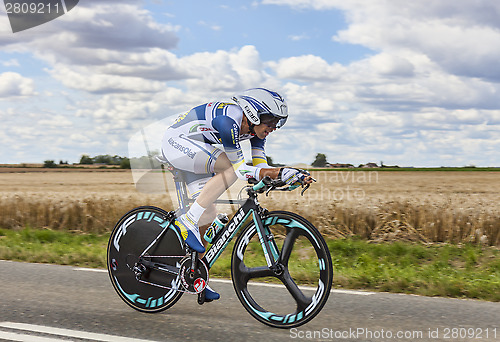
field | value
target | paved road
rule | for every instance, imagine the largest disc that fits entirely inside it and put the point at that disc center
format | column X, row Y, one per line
column 55, row 303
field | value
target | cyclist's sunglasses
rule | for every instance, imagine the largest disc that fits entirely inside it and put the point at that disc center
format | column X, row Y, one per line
column 270, row 121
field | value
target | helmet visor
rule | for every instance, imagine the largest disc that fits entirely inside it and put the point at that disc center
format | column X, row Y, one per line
column 272, row 121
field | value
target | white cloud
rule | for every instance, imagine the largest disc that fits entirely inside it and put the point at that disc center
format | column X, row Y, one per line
column 11, row 63
column 402, row 106
column 213, row 27
column 83, row 78
column 309, row 68
column 377, row 120
column 223, row 71
column 299, row 37
column 429, row 89
column 56, row 121
column 456, row 38
column 13, row 85
column 99, row 27
column 392, row 65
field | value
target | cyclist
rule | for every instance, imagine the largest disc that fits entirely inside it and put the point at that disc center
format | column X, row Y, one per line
column 189, row 145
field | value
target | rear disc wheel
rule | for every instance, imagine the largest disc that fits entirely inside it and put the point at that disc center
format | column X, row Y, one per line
column 131, row 236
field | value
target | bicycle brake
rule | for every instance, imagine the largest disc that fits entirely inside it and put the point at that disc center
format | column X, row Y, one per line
column 306, row 187
column 269, row 190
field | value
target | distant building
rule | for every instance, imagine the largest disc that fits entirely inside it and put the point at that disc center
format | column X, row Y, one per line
column 369, row 165
column 340, row 166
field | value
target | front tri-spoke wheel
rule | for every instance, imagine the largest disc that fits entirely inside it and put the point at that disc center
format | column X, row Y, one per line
column 301, row 280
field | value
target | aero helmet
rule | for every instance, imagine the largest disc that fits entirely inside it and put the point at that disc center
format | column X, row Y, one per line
column 259, row 101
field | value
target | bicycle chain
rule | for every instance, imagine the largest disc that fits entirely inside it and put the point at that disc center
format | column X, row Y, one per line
column 178, row 281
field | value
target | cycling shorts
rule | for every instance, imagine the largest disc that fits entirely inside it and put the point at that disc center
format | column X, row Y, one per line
column 195, row 157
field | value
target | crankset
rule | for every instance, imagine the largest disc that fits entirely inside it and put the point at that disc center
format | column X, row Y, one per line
column 193, row 279
column 187, row 279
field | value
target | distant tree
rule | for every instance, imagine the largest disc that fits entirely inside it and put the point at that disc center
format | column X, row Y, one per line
column 49, row 163
column 116, row 160
column 102, row 159
column 86, row 160
column 125, row 163
column 107, row 159
column 320, row 160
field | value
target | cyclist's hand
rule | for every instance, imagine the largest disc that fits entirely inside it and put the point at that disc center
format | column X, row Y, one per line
column 294, row 177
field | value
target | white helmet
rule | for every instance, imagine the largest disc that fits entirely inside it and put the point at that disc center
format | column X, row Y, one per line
column 259, row 101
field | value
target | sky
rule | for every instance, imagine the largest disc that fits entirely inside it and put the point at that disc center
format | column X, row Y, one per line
column 407, row 83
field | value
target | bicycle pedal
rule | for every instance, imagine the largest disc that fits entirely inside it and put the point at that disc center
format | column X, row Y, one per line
column 201, row 298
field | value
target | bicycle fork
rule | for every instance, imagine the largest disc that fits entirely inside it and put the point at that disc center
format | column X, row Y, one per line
column 271, row 252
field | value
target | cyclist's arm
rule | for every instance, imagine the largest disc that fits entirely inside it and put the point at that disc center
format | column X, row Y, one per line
column 229, row 132
column 272, row 172
column 259, row 158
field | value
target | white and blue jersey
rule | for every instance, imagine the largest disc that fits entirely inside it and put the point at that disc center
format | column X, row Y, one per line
column 189, row 143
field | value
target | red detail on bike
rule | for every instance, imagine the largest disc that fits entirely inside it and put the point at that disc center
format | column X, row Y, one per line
column 114, row 264
column 199, row 285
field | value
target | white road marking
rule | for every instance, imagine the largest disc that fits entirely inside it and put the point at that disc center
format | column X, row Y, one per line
column 228, row 281
column 99, row 270
column 32, row 328
column 25, row 338
column 305, row 288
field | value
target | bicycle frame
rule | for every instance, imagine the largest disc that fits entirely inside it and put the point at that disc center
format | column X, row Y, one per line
column 226, row 234
column 181, row 191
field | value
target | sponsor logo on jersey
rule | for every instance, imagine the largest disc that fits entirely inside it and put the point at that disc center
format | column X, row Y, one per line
column 186, row 150
column 233, row 134
column 246, row 173
column 224, row 104
column 200, row 128
column 180, row 118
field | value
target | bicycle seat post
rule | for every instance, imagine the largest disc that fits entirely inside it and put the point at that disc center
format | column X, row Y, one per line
column 180, row 184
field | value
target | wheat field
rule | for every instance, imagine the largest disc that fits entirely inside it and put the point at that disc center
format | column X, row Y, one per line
column 423, row 206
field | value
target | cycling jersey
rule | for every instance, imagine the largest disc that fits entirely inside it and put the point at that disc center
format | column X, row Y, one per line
column 189, row 143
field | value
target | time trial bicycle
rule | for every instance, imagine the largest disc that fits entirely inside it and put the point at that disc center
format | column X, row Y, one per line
column 151, row 267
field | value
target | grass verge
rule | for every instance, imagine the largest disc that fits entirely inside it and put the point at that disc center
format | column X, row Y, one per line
column 458, row 271
column 53, row 247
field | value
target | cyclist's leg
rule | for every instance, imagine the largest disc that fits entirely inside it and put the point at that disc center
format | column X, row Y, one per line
column 206, row 219
column 195, row 185
column 198, row 159
column 215, row 187
column 210, row 191
column 207, row 188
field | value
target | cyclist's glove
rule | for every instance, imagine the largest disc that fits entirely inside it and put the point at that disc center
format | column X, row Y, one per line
column 292, row 177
